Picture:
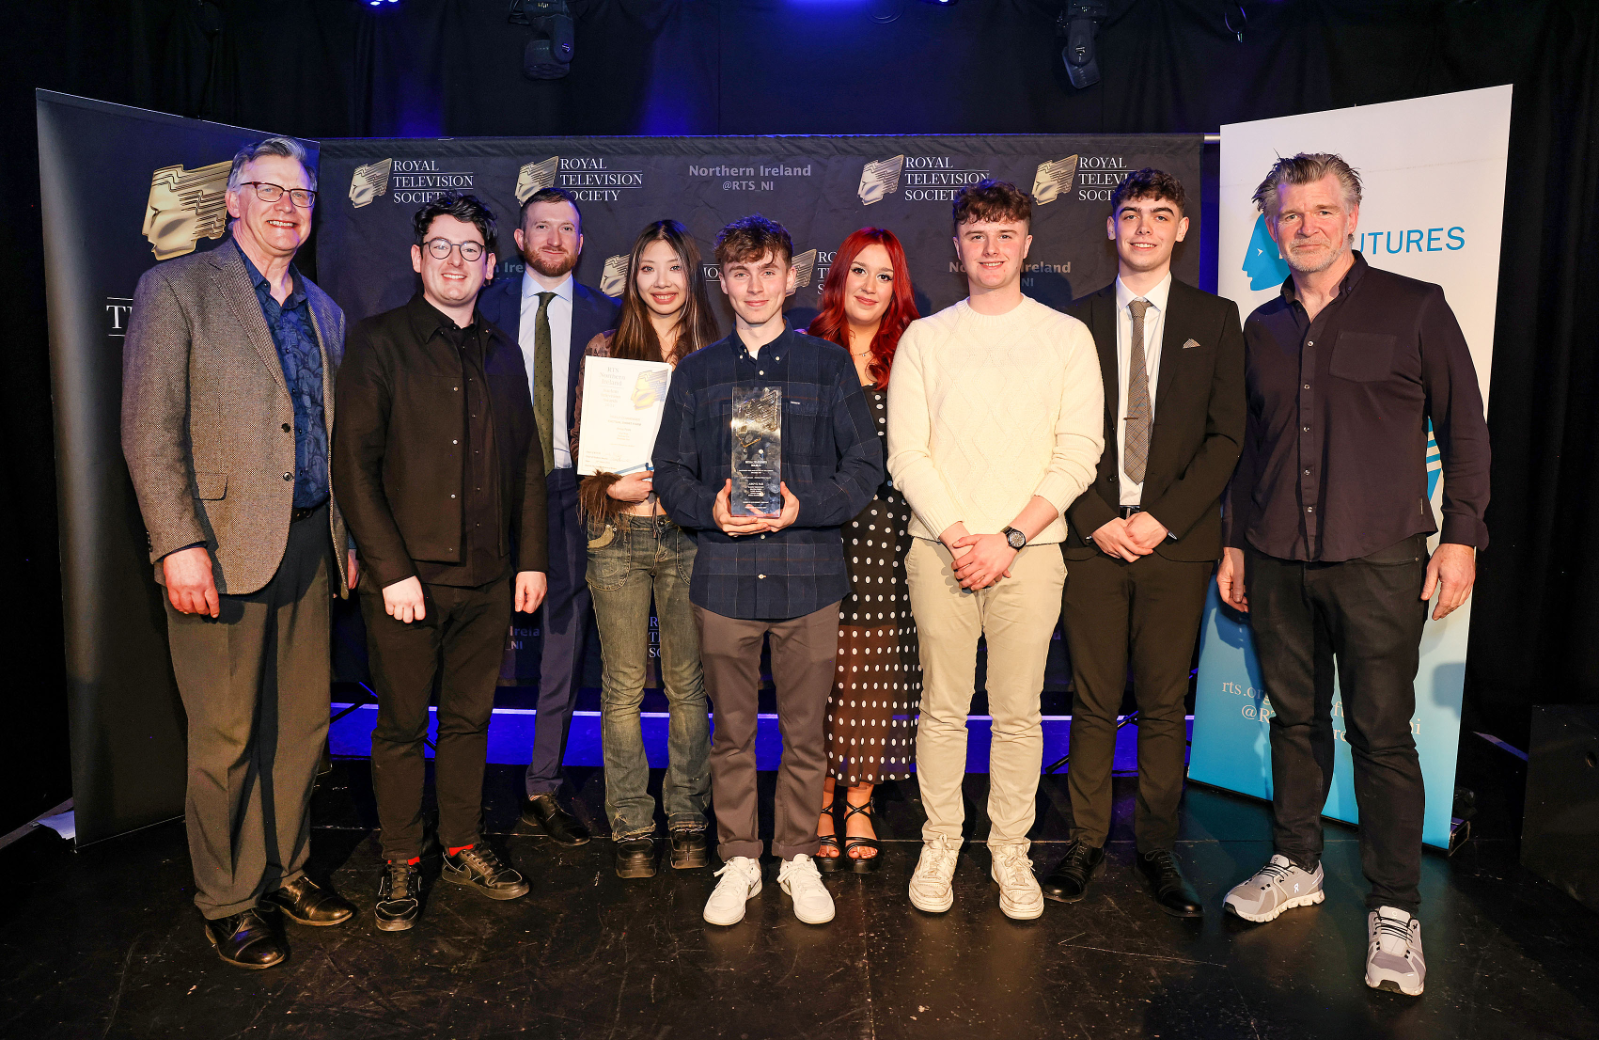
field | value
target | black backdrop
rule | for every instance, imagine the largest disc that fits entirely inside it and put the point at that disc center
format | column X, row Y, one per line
column 335, row 68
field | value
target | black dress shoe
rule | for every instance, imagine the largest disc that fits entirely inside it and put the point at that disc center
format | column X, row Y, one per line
column 305, row 902
column 542, row 810
column 247, row 940
column 399, row 896
column 478, row 867
column 689, row 850
column 1172, row 891
column 635, row 857
column 1068, row 882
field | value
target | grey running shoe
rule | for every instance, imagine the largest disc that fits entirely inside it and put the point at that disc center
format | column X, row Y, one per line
column 1276, row 887
column 1394, row 961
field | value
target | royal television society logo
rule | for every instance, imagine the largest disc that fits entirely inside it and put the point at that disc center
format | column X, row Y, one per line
column 588, row 178
column 535, row 177
column 185, row 206
column 370, row 181
column 804, row 268
column 613, row 279
column 880, row 179
column 1054, row 179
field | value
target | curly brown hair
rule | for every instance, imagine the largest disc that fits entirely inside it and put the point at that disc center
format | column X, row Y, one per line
column 991, row 199
column 752, row 237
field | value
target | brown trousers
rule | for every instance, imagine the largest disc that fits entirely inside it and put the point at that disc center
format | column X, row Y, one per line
column 803, row 652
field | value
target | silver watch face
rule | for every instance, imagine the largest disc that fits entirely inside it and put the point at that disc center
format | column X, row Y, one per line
column 1016, row 539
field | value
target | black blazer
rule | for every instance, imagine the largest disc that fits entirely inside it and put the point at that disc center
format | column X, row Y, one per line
column 1199, row 423
column 593, row 312
column 397, row 475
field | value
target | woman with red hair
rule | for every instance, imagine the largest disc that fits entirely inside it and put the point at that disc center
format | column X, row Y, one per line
column 871, row 716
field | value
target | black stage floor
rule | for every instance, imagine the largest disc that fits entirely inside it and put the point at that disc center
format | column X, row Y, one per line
column 105, row 943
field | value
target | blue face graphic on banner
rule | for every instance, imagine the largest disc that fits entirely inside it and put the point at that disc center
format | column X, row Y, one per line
column 1266, row 270
column 1435, row 462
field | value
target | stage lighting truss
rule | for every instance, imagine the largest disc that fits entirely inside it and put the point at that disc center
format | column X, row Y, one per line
column 548, row 54
column 1078, row 24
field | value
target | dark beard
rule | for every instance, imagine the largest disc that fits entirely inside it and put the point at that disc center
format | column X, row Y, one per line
column 560, row 270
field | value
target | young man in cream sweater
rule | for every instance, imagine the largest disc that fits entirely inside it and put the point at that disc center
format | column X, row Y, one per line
column 995, row 420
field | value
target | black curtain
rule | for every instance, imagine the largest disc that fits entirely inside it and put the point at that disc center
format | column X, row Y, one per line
column 338, row 68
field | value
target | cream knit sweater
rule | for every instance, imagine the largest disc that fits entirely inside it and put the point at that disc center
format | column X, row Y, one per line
column 986, row 412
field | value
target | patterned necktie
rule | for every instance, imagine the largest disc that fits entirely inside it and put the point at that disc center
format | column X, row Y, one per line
column 1135, row 451
column 544, row 381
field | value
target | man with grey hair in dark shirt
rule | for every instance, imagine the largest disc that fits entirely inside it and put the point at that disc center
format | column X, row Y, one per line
column 1326, row 528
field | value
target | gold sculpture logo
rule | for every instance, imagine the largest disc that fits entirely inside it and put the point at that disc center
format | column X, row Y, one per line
column 186, row 206
column 369, row 182
column 804, row 267
column 1054, row 179
column 535, row 177
column 614, row 278
column 649, row 388
column 880, row 179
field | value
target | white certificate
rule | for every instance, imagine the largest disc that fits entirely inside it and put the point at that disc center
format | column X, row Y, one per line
column 622, row 406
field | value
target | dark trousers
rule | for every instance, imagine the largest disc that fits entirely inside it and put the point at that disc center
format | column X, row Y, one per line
column 1363, row 618
column 1151, row 610
column 254, row 682
column 564, row 627
column 462, row 637
column 803, row 653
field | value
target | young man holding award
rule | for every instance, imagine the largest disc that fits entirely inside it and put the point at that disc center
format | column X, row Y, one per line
column 767, row 446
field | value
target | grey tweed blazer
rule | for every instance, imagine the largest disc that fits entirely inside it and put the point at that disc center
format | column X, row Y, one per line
column 207, row 423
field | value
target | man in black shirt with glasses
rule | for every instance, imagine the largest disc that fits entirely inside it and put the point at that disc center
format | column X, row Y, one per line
column 439, row 457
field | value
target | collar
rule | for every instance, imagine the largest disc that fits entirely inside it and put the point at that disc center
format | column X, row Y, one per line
column 1157, row 296
column 767, row 350
column 1351, row 279
column 531, row 289
column 259, row 280
column 428, row 321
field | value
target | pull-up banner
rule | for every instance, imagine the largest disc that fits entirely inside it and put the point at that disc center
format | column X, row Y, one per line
column 1434, row 188
column 123, row 189
column 820, row 188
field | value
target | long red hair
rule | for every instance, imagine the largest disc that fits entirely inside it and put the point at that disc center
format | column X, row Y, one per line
column 831, row 323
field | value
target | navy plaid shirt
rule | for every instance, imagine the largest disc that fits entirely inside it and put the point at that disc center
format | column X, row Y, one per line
column 301, row 358
column 832, row 462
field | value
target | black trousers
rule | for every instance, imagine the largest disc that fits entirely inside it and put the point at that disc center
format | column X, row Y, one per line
column 1149, row 610
column 254, row 683
column 464, row 635
column 1363, row 618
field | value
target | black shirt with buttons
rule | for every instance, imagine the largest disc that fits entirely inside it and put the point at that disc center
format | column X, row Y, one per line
column 1335, row 459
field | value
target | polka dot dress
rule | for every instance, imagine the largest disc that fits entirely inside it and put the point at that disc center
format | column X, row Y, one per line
column 877, row 690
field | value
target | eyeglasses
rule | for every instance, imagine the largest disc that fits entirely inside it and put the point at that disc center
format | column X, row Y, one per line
column 439, row 249
column 266, row 191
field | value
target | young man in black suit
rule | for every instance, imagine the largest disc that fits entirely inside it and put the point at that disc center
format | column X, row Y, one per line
column 1143, row 539
column 552, row 318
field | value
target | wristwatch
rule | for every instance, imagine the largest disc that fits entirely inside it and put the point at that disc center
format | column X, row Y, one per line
column 1015, row 538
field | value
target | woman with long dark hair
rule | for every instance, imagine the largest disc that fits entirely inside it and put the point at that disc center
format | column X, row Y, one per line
column 871, row 717
column 635, row 552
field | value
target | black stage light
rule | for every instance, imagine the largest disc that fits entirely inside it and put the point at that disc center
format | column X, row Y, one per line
column 548, row 54
column 1078, row 24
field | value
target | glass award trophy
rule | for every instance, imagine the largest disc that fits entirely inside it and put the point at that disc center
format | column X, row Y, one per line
column 757, row 449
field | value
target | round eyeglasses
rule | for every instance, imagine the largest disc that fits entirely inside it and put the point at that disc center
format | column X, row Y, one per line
column 439, row 249
column 266, row 191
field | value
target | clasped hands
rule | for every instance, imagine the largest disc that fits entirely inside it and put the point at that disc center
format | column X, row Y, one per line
column 979, row 560
column 759, row 523
column 1131, row 538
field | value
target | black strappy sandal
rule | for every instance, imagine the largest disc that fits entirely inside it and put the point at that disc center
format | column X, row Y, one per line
column 829, row 864
column 862, row 864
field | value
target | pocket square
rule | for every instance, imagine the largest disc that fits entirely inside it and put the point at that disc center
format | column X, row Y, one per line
column 1191, row 343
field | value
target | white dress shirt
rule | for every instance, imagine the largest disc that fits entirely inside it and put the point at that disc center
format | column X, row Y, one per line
column 1154, row 324
column 560, row 315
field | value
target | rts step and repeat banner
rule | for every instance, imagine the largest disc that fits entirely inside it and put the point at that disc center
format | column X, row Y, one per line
column 820, row 188
column 122, row 190
column 1434, row 186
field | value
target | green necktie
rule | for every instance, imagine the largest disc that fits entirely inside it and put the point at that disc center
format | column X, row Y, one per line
column 544, row 382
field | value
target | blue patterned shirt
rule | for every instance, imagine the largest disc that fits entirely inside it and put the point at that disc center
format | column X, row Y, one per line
column 832, row 462
column 301, row 357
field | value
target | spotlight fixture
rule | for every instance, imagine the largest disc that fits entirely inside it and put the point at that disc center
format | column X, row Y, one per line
column 1078, row 24
column 381, row 3
column 940, row 3
column 548, row 54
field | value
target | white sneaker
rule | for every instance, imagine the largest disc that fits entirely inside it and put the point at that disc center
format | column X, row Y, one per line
column 741, row 882
column 1276, row 887
column 802, row 882
column 1019, row 895
column 930, row 884
column 1394, row 961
